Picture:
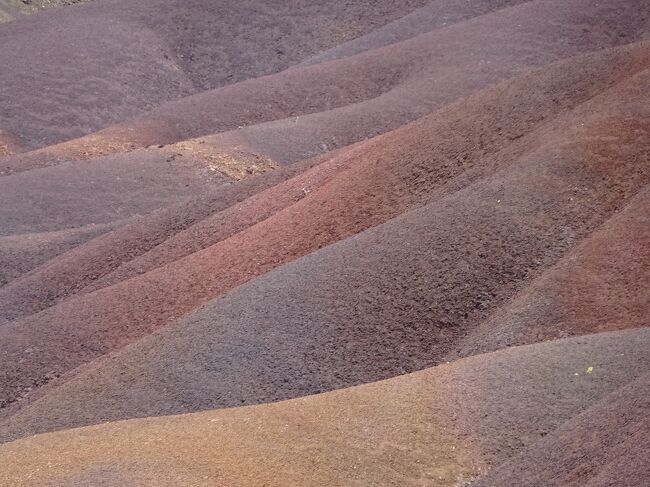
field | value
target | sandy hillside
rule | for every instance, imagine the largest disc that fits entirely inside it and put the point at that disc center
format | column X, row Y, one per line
column 289, row 243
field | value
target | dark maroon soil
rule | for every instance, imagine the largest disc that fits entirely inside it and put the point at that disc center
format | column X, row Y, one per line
column 372, row 92
column 22, row 253
column 71, row 71
column 600, row 286
column 607, row 445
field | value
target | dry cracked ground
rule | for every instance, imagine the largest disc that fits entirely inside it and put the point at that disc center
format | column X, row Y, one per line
column 347, row 243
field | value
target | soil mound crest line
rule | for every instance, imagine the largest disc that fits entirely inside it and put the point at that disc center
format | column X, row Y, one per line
column 435, row 15
column 600, row 286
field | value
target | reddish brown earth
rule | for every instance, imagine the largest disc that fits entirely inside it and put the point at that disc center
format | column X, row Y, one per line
column 41, row 287
column 621, row 59
column 600, row 286
column 411, row 219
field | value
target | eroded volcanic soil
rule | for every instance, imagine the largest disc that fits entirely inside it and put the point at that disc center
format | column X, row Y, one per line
column 294, row 243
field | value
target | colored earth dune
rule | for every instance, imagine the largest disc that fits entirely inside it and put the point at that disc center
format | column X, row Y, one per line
column 369, row 243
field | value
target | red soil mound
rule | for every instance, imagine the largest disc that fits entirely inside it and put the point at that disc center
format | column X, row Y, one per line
column 391, row 274
column 571, row 82
column 206, row 233
column 418, row 428
column 80, row 267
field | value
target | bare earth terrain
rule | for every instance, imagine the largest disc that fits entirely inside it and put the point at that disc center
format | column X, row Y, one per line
column 387, row 243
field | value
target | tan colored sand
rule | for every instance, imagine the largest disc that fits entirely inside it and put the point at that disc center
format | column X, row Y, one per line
column 424, row 428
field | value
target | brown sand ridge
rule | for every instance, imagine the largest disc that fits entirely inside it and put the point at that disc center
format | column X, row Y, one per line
column 290, row 243
column 410, row 430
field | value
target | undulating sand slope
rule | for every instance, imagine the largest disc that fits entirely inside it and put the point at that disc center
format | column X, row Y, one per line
column 266, row 137
column 71, row 71
column 601, row 285
column 607, row 445
column 206, row 232
column 77, row 269
column 104, row 190
column 428, row 148
column 68, row 197
column 375, row 91
column 350, row 243
column 11, row 9
column 435, row 14
column 440, row 427
column 393, row 299
column 333, row 87
column 21, row 253
column 60, row 278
